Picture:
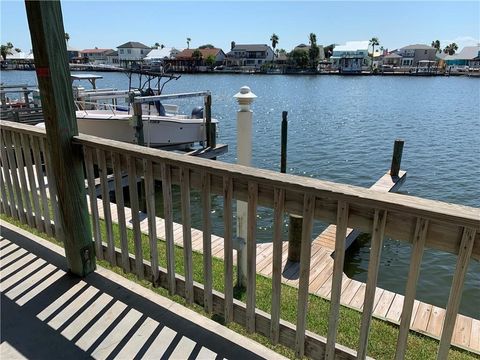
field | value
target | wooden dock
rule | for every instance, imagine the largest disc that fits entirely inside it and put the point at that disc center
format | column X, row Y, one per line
column 427, row 319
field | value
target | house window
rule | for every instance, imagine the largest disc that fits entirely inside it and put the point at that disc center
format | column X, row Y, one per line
column 426, row 52
column 129, row 51
column 121, row 51
column 141, row 52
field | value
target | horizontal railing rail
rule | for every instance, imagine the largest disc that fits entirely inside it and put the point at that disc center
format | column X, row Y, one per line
column 421, row 222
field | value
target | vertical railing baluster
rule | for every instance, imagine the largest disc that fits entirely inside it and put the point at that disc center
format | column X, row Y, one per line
column 207, row 242
column 251, row 255
column 278, row 207
column 379, row 222
column 228, row 247
column 418, row 242
column 37, row 158
column 137, row 235
column 92, row 195
column 152, row 219
column 463, row 259
column 168, row 215
column 341, row 233
column 52, row 189
column 5, row 206
column 304, row 276
column 14, row 175
column 8, row 179
column 119, row 199
column 107, row 211
column 23, row 180
column 27, row 154
column 187, row 232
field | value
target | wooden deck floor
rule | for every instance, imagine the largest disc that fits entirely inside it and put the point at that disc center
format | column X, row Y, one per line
column 48, row 314
column 426, row 319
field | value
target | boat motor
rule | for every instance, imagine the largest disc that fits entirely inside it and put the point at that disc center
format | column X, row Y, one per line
column 197, row 112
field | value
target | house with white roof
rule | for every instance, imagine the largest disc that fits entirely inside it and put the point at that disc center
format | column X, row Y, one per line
column 160, row 54
column 469, row 56
column 352, row 57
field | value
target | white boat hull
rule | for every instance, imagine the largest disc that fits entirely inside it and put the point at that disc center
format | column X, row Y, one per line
column 158, row 130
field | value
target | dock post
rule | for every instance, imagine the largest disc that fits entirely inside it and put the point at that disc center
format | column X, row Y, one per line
column 138, row 123
column 51, row 64
column 245, row 98
column 396, row 157
column 210, row 128
column 294, row 221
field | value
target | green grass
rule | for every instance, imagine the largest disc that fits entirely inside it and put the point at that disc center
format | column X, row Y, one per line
column 383, row 335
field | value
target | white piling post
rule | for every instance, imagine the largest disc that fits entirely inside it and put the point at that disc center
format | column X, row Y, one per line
column 245, row 98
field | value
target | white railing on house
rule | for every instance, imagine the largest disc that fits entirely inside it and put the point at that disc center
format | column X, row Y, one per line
column 424, row 223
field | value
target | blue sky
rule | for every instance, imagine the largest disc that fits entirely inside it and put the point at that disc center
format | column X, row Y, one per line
column 107, row 24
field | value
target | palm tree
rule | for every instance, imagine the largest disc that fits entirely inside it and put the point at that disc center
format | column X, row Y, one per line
column 232, row 45
column 67, row 37
column 274, row 39
column 188, row 42
column 450, row 49
column 314, row 50
column 373, row 42
column 436, row 45
column 6, row 50
column 156, row 46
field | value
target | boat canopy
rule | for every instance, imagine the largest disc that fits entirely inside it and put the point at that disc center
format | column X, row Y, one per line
column 90, row 77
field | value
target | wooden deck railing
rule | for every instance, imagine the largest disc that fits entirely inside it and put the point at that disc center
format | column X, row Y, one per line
column 424, row 223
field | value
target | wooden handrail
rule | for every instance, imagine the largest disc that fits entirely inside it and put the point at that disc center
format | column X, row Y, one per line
column 418, row 221
column 446, row 220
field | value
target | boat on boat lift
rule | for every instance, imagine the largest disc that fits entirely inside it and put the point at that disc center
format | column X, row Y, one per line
column 109, row 113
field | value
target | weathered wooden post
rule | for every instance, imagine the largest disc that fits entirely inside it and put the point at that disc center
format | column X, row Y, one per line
column 51, row 63
column 210, row 128
column 294, row 221
column 396, row 157
column 245, row 98
column 138, row 123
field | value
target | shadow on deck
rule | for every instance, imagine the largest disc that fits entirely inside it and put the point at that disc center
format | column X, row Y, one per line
column 48, row 313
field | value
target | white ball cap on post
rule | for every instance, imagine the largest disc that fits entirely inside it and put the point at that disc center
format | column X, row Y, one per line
column 245, row 98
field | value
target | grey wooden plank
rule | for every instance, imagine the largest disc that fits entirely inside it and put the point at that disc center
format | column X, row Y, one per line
column 41, row 184
column 168, row 214
column 187, row 232
column 23, row 180
column 152, row 223
column 207, row 241
column 278, row 205
column 137, row 235
column 378, row 233
column 8, row 177
column 97, row 235
column 305, row 251
column 20, row 210
column 228, row 248
column 251, row 255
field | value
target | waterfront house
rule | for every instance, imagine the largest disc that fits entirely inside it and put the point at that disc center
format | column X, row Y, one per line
column 95, row 55
column 112, row 57
column 251, row 56
column 188, row 60
column 391, row 60
column 132, row 52
column 19, row 60
column 468, row 57
column 73, row 54
column 304, row 47
column 351, row 58
column 164, row 53
column 412, row 54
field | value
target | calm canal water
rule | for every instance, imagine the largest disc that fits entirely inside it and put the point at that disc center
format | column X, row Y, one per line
column 342, row 129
